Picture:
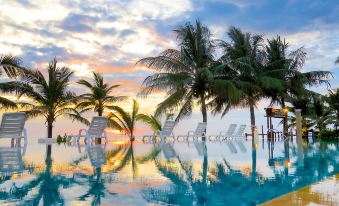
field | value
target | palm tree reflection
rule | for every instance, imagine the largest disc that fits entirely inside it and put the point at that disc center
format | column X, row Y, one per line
column 46, row 183
column 220, row 183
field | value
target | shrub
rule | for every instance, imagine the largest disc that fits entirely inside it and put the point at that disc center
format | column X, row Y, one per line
column 329, row 134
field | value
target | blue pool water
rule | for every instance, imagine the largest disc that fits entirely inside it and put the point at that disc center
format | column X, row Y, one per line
column 184, row 173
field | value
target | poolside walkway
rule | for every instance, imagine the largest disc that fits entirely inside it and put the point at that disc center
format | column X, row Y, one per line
column 321, row 193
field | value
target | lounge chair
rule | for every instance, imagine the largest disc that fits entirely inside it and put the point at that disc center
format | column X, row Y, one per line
column 96, row 155
column 241, row 146
column 240, row 132
column 200, row 131
column 168, row 150
column 167, row 131
column 227, row 134
column 10, row 160
column 231, row 146
column 201, row 148
column 95, row 130
column 13, row 126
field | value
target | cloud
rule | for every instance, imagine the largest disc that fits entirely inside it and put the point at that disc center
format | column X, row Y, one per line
column 110, row 36
column 78, row 23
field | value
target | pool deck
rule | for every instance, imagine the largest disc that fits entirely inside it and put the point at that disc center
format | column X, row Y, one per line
column 321, row 193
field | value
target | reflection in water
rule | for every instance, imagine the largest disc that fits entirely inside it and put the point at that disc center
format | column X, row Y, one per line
column 172, row 173
column 45, row 182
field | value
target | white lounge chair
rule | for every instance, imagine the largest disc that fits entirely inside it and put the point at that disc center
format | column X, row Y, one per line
column 13, row 126
column 168, row 150
column 200, row 131
column 231, row 146
column 227, row 134
column 201, row 148
column 241, row 146
column 166, row 131
column 10, row 160
column 240, row 132
column 95, row 130
column 96, row 155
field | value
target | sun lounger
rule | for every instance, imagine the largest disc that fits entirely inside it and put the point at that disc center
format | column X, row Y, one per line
column 13, row 126
column 10, row 160
column 96, row 155
column 231, row 146
column 200, row 131
column 167, row 131
column 225, row 135
column 201, row 148
column 240, row 133
column 95, row 130
column 241, row 146
column 168, row 150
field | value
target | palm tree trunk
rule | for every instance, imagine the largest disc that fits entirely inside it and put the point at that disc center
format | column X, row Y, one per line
column 252, row 115
column 100, row 111
column 204, row 112
column 203, row 108
column 50, row 130
column 285, row 126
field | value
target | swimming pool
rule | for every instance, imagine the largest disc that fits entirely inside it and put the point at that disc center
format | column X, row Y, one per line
column 181, row 173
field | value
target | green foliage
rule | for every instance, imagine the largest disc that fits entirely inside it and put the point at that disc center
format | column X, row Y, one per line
column 185, row 73
column 124, row 121
column 11, row 66
column 49, row 97
column 329, row 134
column 99, row 99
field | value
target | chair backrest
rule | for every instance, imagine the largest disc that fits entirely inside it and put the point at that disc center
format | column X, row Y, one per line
column 96, row 155
column 240, row 131
column 10, row 160
column 201, row 148
column 231, row 129
column 168, row 150
column 201, row 129
column 168, row 127
column 97, row 126
column 12, row 124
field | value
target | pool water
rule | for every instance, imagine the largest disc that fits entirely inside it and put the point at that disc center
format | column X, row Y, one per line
column 181, row 173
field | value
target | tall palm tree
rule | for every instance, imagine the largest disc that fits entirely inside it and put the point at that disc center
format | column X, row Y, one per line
column 49, row 97
column 290, row 65
column 245, row 58
column 9, row 65
column 99, row 99
column 185, row 73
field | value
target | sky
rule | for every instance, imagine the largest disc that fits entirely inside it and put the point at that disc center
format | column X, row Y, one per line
column 110, row 36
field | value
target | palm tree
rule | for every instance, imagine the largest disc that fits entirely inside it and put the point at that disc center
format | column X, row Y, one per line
column 185, row 73
column 100, row 98
column 333, row 100
column 9, row 65
column 245, row 58
column 49, row 98
column 124, row 121
column 319, row 112
column 151, row 121
column 289, row 66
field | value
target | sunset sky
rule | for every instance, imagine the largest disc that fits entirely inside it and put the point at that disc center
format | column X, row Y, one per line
column 110, row 36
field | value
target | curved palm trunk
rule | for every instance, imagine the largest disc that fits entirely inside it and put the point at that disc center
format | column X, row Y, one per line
column 204, row 112
column 100, row 112
column 50, row 130
column 252, row 115
column 203, row 108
